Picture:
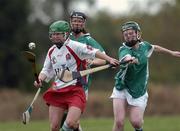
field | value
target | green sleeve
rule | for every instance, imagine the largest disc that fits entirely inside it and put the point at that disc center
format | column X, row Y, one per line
column 123, row 51
column 92, row 42
column 148, row 45
column 149, row 48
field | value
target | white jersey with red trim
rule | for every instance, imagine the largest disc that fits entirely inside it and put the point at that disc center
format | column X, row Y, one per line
column 69, row 56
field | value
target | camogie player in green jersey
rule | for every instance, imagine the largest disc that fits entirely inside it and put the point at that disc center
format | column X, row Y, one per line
column 130, row 90
column 78, row 33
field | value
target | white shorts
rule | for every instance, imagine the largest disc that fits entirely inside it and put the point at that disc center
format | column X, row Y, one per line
column 124, row 94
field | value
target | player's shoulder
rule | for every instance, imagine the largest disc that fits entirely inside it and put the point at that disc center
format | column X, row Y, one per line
column 72, row 43
column 51, row 49
column 91, row 41
column 124, row 47
column 145, row 44
column 87, row 36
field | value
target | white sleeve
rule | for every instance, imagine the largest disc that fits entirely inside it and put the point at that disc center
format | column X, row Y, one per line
column 82, row 50
column 150, row 51
column 48, row 69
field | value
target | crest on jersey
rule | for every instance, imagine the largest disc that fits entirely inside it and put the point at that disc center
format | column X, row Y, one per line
column 54, row 61
column 89, row 47
column 68, row 56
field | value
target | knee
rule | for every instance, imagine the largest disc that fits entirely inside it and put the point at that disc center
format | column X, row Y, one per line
column 137, row 123
column 71, row 124
column 54, row 127
column 119, row 123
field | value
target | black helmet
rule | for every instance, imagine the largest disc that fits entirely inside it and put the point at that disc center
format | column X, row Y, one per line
column 130, row 25
column 78, row 15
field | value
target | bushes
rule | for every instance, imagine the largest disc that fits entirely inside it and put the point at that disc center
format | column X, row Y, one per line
column 163, row 100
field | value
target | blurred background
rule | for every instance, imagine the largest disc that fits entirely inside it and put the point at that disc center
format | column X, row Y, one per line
column 28, row 21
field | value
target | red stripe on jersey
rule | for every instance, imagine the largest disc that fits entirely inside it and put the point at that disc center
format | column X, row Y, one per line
column 78, row 61
column 50, row 52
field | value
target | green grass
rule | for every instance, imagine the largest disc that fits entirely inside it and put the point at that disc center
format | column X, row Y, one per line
column 102, row 124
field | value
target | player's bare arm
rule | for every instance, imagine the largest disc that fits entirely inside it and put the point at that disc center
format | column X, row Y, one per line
column 107, row 58
column 96, row 62
column 158, row 48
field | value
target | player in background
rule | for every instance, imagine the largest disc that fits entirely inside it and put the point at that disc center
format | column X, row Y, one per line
column 79, row 33
column 130, row 90
column 66, row 54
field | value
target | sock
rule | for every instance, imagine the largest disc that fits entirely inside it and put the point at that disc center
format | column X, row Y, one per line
column 140, row 129
column 65, row 127
column 76, row 129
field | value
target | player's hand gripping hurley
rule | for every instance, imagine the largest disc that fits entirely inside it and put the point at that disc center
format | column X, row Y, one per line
column 31, row 58
column 67, row 76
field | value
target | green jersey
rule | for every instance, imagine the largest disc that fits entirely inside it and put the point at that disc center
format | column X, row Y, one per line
column 134, row 77
column 88, row 40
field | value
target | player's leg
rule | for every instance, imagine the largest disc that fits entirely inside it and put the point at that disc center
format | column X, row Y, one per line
column 136, row 117
column 76, row 104
column 136, row 112
column 78, row 123
column 86, row 93
column 79, row 128
column 55, row 116
column 63, row 119
column 71, row 122
column 119, row 108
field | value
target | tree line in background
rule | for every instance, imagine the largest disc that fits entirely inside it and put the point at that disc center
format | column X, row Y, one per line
column 16, row 32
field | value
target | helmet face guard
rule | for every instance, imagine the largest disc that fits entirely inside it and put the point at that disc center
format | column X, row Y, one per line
column 64, row 34
column 77, row 20
column 131, row 25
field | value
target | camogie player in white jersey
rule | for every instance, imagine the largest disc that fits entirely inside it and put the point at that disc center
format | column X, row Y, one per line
column 66, row 54
column 78, row 33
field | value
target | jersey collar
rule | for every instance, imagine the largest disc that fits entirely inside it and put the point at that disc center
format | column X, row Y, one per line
column 124, row 44
column 84, row 35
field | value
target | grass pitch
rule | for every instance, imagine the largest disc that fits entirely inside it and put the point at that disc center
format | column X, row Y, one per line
column 170, row 123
